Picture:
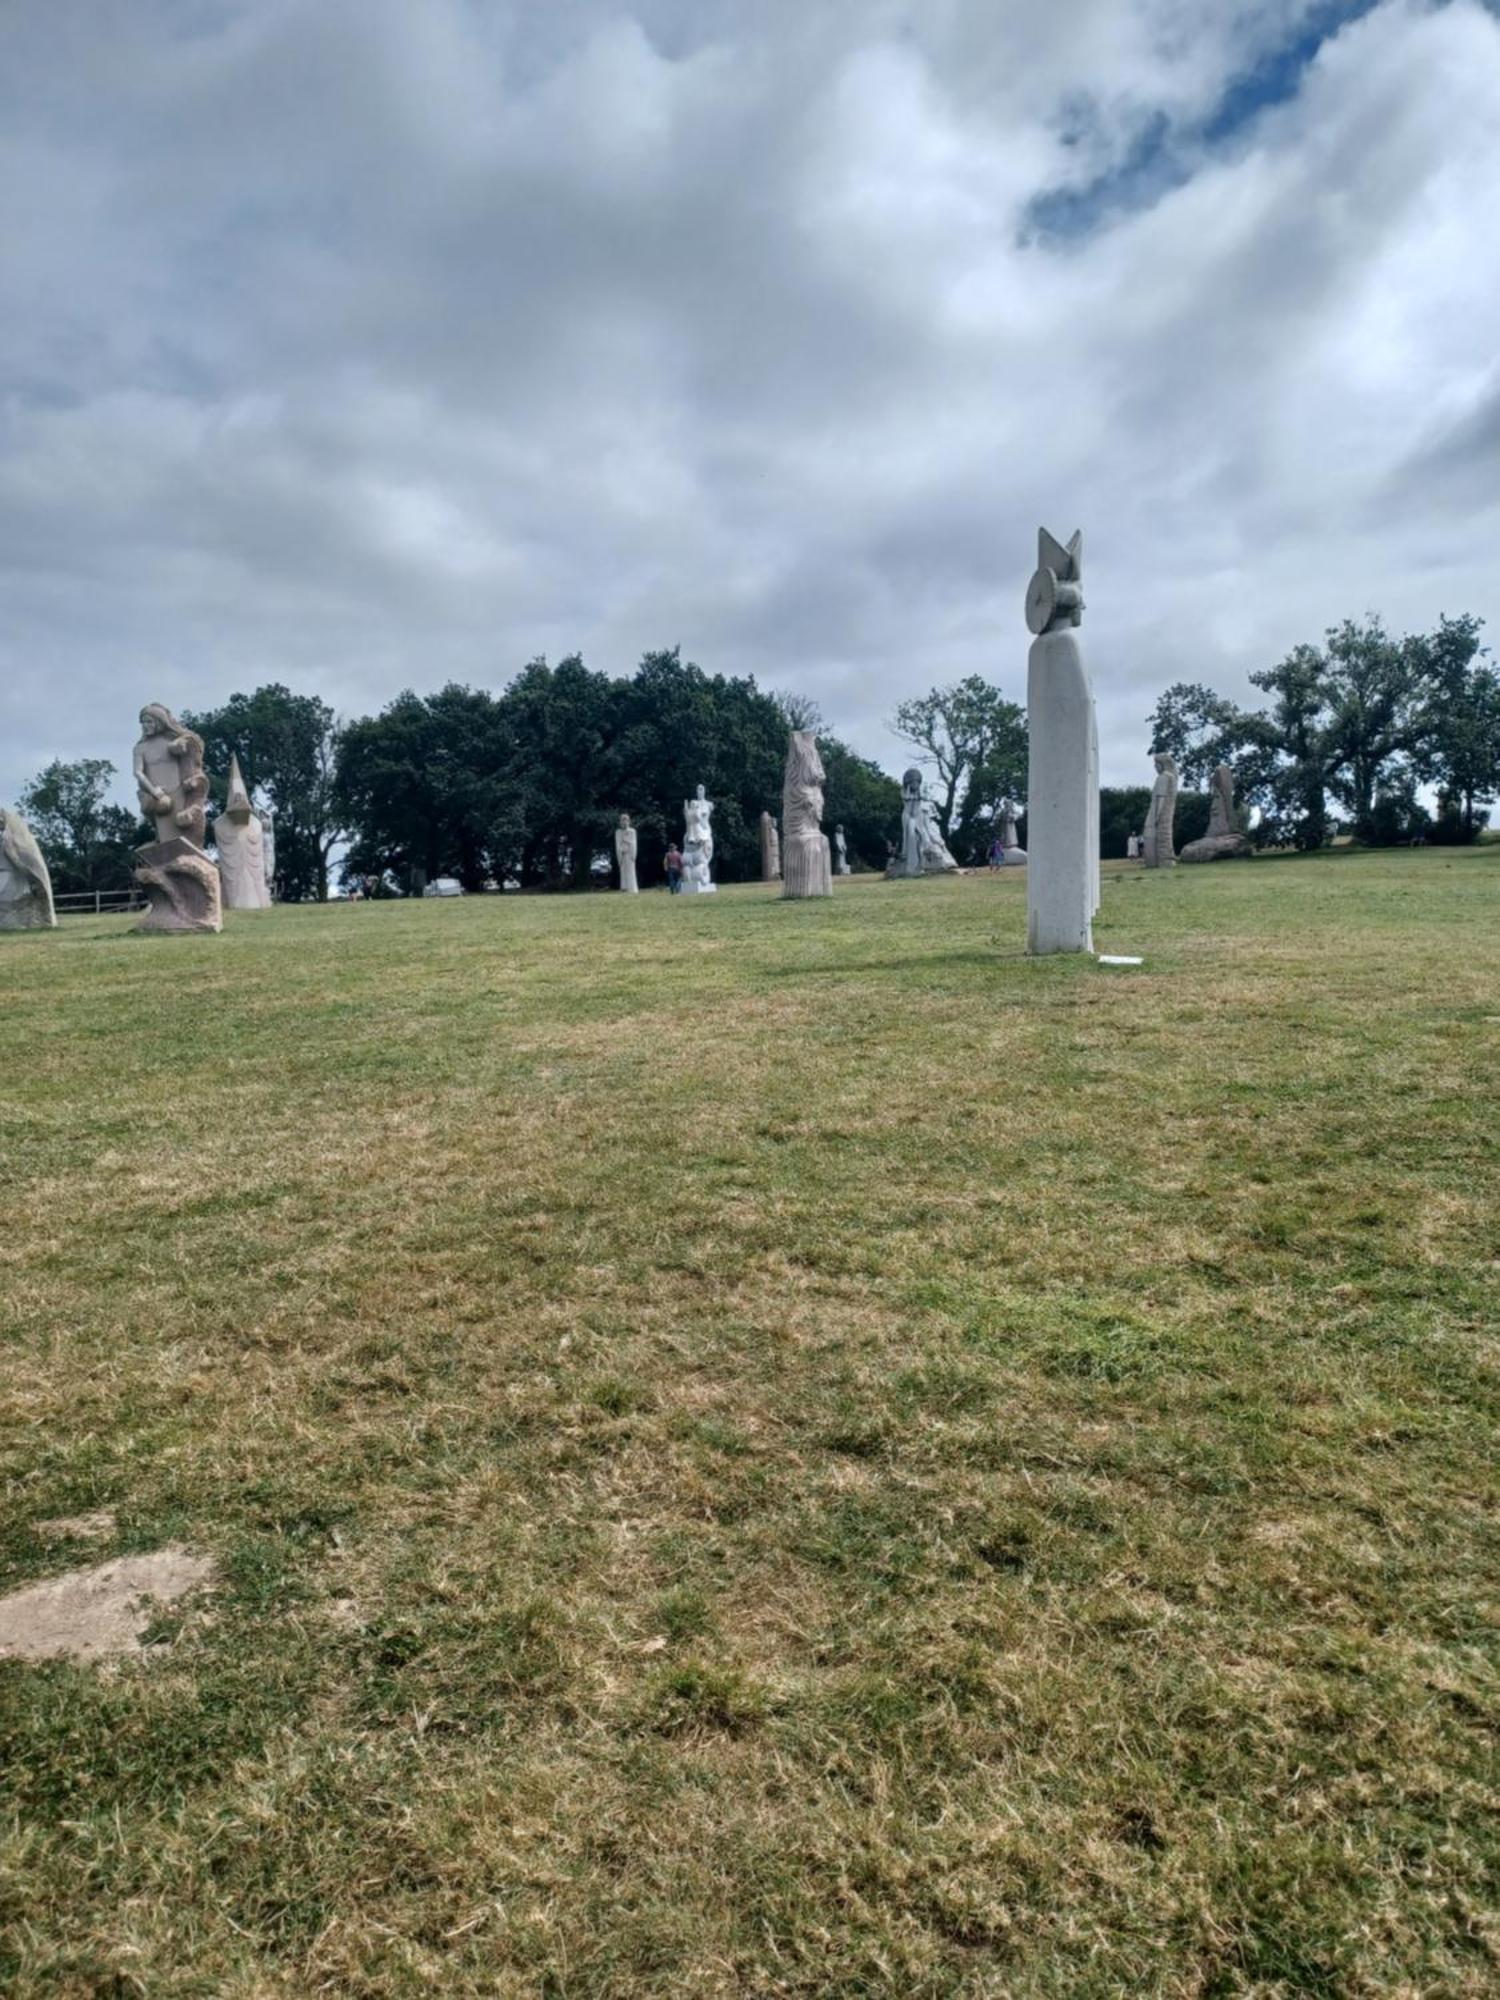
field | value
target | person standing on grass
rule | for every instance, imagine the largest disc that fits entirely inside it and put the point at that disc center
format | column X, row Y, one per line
column 674, row 868
column 997, row 855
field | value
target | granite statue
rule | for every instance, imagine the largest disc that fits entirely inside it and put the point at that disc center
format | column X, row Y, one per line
column 1062, row 794
column 626, row 842
column 1012, row 853
column 807, row 867
column 267, row 817
column 1158, row 850
column 25, row 885
column 1226, row 839
column 840, row 853
column 241, row 842
column 922, row 850
column 770, row 849
column 180, row 883
column 698, row 845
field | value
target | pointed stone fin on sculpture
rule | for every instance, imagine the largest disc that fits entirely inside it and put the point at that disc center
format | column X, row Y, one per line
column 1066, row 563
column 239, row 797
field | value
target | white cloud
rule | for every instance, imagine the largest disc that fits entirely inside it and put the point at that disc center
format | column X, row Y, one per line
column 362, row 345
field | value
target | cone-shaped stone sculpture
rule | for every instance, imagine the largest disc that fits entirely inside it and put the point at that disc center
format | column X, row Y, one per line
column 1062, row 796
column 25, row 885
column 241, row 841
column 181, row 884
column 807, row 863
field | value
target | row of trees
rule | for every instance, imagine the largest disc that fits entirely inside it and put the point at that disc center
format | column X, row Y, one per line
column 526, row 784
column 1356, row 725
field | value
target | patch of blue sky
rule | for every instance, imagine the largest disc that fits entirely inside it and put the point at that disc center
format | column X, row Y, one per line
column 1163, row 155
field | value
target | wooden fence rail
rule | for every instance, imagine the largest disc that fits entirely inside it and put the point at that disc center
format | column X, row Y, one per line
column 98, row 902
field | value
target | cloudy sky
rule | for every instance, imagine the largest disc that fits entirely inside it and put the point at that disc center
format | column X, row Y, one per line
column 365, row 344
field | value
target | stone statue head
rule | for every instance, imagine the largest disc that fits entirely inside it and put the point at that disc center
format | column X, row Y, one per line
column 803, row 764
column 158, row 720
column 911, row 783
column 624, row 819
column 1165, row 761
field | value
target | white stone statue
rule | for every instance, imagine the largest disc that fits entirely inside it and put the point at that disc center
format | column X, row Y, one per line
column 1132, row 847
column 840, row 853
column 806, row 865
column 241, row 841
column 626, row 842
column 181, row 884
column 25, row 885
column 1062, row 792
column 1226, row 839
column 1012, row 853
column 267, row 817
column 922, row 850
column 697, row 845
column 1159, row 850
column 770, row 850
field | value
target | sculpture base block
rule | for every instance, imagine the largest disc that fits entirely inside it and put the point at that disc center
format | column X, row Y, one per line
column 181, row 887
column 1218, row 847
column 30, row 914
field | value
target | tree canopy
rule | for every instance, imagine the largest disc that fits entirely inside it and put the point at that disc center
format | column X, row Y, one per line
column 87, row 842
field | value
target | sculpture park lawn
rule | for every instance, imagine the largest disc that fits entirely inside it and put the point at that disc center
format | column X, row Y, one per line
column 761, row 1447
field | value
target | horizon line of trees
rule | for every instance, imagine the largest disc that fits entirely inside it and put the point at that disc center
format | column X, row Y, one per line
column 526, row 785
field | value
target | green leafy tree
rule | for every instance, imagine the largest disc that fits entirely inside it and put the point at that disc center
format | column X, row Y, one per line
column 1373, row 687
column 287, row 745
column 1458, row 734
column 975, row 741
column 86, row 840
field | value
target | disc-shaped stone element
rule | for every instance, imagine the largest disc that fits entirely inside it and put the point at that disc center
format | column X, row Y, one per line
column 1041, row 600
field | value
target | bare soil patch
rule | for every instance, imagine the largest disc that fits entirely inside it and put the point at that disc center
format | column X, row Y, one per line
column 93, row 1612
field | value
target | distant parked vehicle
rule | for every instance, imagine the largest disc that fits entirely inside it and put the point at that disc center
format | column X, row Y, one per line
column 443, row 885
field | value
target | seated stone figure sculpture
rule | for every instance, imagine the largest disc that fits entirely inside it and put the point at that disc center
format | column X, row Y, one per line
column 922, row 850
column 181, row 884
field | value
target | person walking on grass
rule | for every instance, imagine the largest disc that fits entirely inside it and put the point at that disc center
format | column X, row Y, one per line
column 674, row 869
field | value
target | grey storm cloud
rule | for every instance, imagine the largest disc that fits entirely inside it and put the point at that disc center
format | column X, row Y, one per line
column 365, row 345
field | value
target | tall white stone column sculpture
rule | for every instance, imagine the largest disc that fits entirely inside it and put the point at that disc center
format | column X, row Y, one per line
column 267, row 817
column 25, row 885
column 626, row 842
column 1161, row 814
column 697, row 845
column 770, row 850
column 1062, row 794
column 180, row 883
column 806, row 865
column 840, row 853
column 241, row 841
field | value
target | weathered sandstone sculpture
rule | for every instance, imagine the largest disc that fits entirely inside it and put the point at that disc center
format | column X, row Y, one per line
column 807, row 866
column 1012, row 853
column 1062, row 793
column 626, row 842
column 181, row 884
column 840, row 853
column 241, row 841
column 25, row 885
column 1159, row 851
column 922, row 850
column 697, row 845
column 1226, row 839
column 267, row 817
column 770, row 849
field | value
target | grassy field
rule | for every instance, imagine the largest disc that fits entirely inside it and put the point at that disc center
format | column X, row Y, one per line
column 764, row 1448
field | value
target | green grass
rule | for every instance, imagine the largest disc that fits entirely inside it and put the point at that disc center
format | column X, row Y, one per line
column 766, row 1448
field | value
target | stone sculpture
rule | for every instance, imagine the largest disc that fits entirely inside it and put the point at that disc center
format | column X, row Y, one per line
column 267, row 818
column 1158, row 851
column 626, row 842
column 697, row 845
column 181, row 884
column 1062, row 794
column 25, row 885
column 1012, row 853
column 241, row 841
column 1226, row 839
column 807, row 868
column 840, row 853
column 922, row 850
column 770, row 849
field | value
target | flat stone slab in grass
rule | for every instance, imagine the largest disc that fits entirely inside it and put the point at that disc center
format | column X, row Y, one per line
column 93, row 1612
